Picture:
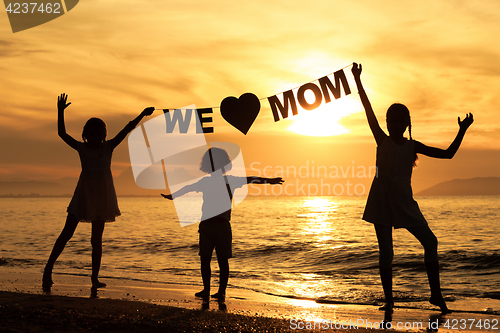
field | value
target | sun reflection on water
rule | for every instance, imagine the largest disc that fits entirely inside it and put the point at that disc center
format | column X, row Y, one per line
column 319, row 214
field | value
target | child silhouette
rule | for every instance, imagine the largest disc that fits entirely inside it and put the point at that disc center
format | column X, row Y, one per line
column 390, row 201
column 94, row 199
column 215, row 228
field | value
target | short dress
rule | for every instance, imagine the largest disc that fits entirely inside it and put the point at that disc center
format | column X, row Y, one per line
column 95, row 197
column 390, row 201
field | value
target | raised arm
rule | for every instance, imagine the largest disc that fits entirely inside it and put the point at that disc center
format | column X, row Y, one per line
column 448, row 153
column 61, row 127
column 262, row 180
column 378, row 133
column 130, row 126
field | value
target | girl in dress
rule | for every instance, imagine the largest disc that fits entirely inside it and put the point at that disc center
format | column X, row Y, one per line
column 390, row 201
column 94, row 199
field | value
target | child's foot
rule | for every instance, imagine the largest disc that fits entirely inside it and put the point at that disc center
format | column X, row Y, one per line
column 97, row 284
column 47, row 281
column 389, row 306
column 47, row 285
column 439, row 301
column 219, row 296
column 203, row 294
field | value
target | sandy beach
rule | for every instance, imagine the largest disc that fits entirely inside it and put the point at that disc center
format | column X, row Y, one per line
column 137, row 306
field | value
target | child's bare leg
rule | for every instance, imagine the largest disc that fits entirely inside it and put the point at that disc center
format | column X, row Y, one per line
column 62, row 240
column 430, row 243
column 386, row 254
column 223, row 276
column 96, row 240
column 206, row 273
column 437, row 299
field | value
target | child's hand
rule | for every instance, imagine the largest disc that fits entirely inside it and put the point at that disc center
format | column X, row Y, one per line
column 356, row 71
column 61, row 102
column 148, row 111
column 167, row 196
column 277, row 180
column 464, row 124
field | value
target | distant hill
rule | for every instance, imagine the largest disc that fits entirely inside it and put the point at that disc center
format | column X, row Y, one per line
column 124, row 185
column 471, row 186
column 36, row 187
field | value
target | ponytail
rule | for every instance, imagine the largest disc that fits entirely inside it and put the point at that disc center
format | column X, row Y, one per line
column 409, row 131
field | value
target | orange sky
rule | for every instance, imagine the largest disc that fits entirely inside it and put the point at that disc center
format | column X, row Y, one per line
column 113, row 58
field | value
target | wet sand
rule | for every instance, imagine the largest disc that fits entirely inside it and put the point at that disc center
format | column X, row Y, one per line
column 48, row 313
column 138, row 306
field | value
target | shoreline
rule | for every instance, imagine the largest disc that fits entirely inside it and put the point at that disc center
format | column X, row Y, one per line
column 21, row 293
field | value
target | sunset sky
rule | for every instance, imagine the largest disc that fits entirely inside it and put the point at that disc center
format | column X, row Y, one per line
column 115, row 57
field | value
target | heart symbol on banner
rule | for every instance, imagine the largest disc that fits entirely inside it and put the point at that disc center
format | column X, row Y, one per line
column 240, row 112
column 28, row 14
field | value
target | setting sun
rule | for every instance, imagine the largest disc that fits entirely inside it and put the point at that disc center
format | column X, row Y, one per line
column 325, row 120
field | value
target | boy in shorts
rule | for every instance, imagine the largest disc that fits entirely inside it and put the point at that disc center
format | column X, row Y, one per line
column 215, row 228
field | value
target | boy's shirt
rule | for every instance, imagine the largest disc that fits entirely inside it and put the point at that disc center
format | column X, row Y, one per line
column 218, row 191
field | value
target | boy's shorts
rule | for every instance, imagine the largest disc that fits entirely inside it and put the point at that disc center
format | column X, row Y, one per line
column 216, row 233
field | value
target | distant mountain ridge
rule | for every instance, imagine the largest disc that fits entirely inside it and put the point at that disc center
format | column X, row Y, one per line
column 471, row 186
column 125, row 186
column 34, row 187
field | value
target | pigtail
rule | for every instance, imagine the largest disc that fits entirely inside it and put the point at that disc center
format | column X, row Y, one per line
column 409, row 126
column 409, row 131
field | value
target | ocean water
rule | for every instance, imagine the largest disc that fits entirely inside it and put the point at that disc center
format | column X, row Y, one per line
column 300, row 247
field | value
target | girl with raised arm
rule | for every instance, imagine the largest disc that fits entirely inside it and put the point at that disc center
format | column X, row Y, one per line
column 390, row 201
column 94, row 199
